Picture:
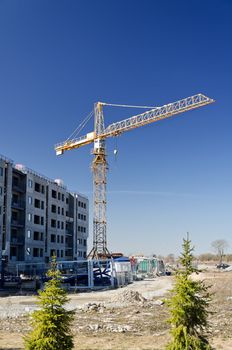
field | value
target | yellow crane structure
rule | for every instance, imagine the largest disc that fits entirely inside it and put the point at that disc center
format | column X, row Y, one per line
column 99, row 164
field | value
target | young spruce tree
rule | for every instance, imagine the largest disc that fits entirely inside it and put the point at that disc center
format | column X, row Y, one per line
column 52, row 322
column 188, row 306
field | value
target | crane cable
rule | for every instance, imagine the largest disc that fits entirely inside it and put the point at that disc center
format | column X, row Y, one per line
column 127, row 106
column 76, row 132
column 80, row 126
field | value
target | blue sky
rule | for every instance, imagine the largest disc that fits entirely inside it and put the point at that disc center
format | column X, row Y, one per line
column 59, row 57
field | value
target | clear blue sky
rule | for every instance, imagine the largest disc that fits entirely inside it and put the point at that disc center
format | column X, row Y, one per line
column 59, row 57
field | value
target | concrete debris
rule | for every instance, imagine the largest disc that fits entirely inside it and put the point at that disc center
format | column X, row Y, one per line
column 114, row 328
column 97, row 307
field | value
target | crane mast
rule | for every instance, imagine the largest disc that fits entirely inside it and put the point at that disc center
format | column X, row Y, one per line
column 99, row 163
column 99, row 168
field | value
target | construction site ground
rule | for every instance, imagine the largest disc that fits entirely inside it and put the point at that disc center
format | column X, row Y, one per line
column 129, row 318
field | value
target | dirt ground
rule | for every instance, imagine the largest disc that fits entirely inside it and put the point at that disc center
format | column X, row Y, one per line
column 128, row 318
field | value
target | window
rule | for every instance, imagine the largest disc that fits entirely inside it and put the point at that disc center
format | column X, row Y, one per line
column 58, row 210
column 41, row 252
column 84, row 205
column 42, row 188
column 42, row 220
column 1, row 171
column 28, row 251
column 35, row 252
column 0, row 213
column 29, row 200
column 58, row 195
column 36, row 236
column 53, row 194
column 52, row 252
column 0, row 191
column 62, row 225
column 37, row 203
column 29, row 216
column 58, row 253
column 42, row 205
column 67, row 200
column 30, row 183
column 58, row 224
column 58, row 239
column 85, row 242
column 53, row 238
column 37, row 219
column 62, row 210
column 84, row 254
column 62, row 239
column 62, row 197
column 53, row 208
column 14, row 215
column 28, row 233
column 61, row 253
column 37, row 187
column 53, row 223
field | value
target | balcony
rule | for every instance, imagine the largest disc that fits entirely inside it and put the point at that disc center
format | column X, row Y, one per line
column 17, row 240
column 18, row 205
column 18, row 188
column 69, row 219
column 69, row 232
column 17, row 223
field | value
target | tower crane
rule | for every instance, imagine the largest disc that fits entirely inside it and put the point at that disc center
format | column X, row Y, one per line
column 99, row 164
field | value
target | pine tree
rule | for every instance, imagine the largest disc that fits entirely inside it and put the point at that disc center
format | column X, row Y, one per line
column 52, row 322
column 188, row 306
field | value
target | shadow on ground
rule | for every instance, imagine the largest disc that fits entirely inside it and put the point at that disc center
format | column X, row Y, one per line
column 10, row 348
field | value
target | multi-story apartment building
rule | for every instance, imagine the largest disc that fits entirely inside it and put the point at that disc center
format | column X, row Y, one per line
column 39, row 217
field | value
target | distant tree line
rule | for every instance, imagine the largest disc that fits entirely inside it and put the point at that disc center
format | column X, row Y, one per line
column 219, row 247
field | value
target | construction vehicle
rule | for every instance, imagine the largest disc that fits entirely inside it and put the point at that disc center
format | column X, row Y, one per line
column 99, row 164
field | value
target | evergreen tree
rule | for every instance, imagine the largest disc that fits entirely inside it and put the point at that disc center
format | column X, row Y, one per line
column 188, row 306
column 52, row 322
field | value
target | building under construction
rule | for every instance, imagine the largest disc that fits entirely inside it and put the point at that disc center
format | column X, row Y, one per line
column 39, row 218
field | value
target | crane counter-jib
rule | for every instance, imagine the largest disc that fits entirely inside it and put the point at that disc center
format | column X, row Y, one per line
column 68, row 145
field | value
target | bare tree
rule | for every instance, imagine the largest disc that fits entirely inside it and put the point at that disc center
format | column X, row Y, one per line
column 170, row 258
column 219, row 246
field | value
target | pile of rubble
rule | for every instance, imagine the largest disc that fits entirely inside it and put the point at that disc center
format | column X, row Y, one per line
column 89, row 307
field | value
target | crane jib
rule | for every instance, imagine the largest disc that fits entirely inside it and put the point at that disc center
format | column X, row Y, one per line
column 136, row 121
